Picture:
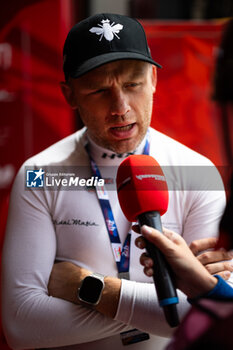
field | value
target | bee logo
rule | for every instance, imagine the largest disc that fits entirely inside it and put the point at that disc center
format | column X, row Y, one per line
column 107, row 30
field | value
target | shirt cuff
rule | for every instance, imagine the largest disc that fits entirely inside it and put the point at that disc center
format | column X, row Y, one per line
column 221, row 291
column 126, row 301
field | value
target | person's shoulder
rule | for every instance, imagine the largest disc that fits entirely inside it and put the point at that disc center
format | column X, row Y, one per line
column 170, row 151
column 67, row 151
column 62, row 156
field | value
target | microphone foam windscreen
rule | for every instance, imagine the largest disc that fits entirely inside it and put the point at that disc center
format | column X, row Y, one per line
column 141, row 186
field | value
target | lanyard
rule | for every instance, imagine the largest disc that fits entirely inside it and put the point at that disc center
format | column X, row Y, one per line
column 121, row 252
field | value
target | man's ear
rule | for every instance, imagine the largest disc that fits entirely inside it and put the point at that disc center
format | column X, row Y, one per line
column 68, row 93
column 154, row 78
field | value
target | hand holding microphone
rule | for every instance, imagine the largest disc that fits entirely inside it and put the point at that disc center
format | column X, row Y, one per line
column 143, row 196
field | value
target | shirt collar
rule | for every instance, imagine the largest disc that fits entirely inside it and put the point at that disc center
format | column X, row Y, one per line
column 104, row 156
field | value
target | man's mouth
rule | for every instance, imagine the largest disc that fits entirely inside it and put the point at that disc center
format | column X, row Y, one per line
column 123, row 128
column 123, row 131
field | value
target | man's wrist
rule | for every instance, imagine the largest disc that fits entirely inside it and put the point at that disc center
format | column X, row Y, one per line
column 109, row 300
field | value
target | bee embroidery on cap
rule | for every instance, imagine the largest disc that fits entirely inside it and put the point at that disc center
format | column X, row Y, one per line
column 107, row 30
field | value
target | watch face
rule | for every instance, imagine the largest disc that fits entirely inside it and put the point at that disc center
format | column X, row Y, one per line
column 90, row 290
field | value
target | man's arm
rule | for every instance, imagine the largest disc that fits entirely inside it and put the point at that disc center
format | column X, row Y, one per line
column 192, row 276
column 118, row 300
column 66, row 278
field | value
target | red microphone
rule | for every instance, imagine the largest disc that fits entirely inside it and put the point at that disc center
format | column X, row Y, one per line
column 143, row 196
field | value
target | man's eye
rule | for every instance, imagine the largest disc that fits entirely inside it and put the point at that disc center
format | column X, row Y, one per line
column 99, row 91
column 132, row 85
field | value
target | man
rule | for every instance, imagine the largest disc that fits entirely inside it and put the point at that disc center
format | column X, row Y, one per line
column 110, row 81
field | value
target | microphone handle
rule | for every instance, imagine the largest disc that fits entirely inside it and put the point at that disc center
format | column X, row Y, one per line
column 162, row 276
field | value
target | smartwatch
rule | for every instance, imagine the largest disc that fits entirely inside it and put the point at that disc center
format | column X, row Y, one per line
column 91, row 289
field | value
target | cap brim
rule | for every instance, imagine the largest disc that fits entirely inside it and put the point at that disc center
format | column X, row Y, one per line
column 107, row 58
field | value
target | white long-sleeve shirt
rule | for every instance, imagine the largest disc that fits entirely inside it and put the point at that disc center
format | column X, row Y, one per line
column 62, row 224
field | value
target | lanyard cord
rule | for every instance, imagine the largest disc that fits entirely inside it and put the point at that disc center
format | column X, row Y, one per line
column 121, row 252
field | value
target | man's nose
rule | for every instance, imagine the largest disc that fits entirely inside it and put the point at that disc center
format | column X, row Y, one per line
column 120, row 103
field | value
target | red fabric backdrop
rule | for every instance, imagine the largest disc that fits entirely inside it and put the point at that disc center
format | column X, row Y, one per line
column 33, row 113
column 183, row 106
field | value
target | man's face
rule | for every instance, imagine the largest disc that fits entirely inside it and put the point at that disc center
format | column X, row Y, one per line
column 115, row 101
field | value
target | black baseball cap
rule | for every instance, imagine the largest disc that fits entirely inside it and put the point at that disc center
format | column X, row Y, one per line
column 101, row 39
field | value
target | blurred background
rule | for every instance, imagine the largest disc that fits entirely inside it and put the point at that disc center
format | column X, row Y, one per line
column 183, row 36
